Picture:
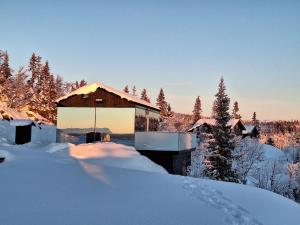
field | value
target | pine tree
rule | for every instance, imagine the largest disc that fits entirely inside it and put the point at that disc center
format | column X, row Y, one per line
column 126, row 89
column 235, row 111
column 219, row 157
column 161, row 103
column 144, row 96
column 35, row 67
column 254, row 119
column 170, row 112
column 18, row 94
column 5, row 70
column 78, row 84
column 44, row 90
column 6, row 79
column 82, row 83
column 197, row 110
column 60, row 86
column 213, row 114
column 134, row 91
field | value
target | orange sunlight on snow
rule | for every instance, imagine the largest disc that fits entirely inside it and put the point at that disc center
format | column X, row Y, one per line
column 102, row 150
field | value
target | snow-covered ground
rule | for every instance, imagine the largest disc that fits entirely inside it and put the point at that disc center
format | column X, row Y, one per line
column 108, row 183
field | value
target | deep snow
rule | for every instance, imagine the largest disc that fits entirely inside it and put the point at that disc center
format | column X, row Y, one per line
column 107, row 183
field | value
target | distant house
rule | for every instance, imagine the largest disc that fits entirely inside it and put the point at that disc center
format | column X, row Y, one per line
column 95, row 111
column 206, row 125
column 251, row 131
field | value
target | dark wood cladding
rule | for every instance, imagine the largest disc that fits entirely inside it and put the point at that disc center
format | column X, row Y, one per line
column 108, row 100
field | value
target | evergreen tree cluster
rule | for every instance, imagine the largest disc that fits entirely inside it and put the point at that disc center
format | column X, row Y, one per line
column 33, row 88
column 164, row 106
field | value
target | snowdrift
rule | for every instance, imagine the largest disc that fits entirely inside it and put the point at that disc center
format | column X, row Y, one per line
column 112, row 184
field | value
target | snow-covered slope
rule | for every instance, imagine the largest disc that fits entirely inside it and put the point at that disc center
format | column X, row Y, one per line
column 112, row 184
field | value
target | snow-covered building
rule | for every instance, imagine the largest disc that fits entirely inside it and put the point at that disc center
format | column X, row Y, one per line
column 251, row 131
column 23, row 126
column 102, row 110
column 236, row 126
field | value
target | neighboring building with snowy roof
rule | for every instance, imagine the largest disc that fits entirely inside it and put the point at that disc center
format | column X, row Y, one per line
column 235, row 125
column 251, row 131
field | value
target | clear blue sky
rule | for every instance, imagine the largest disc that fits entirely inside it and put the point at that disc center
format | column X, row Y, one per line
column 182, row 46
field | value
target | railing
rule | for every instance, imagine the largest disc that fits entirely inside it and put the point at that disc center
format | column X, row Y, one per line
column 164, row 141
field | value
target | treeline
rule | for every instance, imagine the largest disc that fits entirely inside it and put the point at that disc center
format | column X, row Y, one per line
column 161, row 103
column 34, row 87
column 279, row 127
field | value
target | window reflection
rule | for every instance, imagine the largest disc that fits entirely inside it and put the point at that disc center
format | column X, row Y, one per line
column 76, row 125
column 146, row 120
column 140, row 120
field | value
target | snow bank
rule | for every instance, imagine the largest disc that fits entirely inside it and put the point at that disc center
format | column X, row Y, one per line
column 272, row 153
column 115, row 155
column 45, row 185
column 7, row 155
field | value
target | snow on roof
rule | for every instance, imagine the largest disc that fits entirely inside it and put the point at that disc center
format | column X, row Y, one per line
column 23, row 115
column 90, row 88
column 212, row 122
column 249, row 129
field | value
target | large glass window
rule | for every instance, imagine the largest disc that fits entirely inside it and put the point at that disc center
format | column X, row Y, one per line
column 140, row 120
column 153, row 121
column 75, row 124
column 146, row 120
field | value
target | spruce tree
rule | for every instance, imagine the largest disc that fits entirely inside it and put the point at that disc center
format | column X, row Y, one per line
column 35, row 67
column 170, row 112
column 144, row 96
column 126, row 89
column 6, row 79
column 161, row 103
column 5, row 70
column 255, row 122
column 134, row 91
column 219, row 157
column 197, row 110
column 235, row 111
column 78, row 84
column 18, row 95
column 44, row 92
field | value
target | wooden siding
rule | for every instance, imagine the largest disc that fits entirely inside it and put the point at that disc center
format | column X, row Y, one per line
column 108, row 100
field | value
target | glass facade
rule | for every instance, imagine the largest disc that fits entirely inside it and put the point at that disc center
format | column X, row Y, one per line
column 83, row 124
column 146, row 120
column 75, row 124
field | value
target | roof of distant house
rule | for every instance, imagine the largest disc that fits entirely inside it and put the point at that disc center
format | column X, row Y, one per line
column 90, row 88
column 249, row 129
column 212, row 122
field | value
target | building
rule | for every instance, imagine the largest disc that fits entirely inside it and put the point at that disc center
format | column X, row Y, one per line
column 236, row 126
column 23, row 126
column 251, row 131
column 97, row 110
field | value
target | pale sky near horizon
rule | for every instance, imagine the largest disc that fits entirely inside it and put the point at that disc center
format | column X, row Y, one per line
column 182, row 46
